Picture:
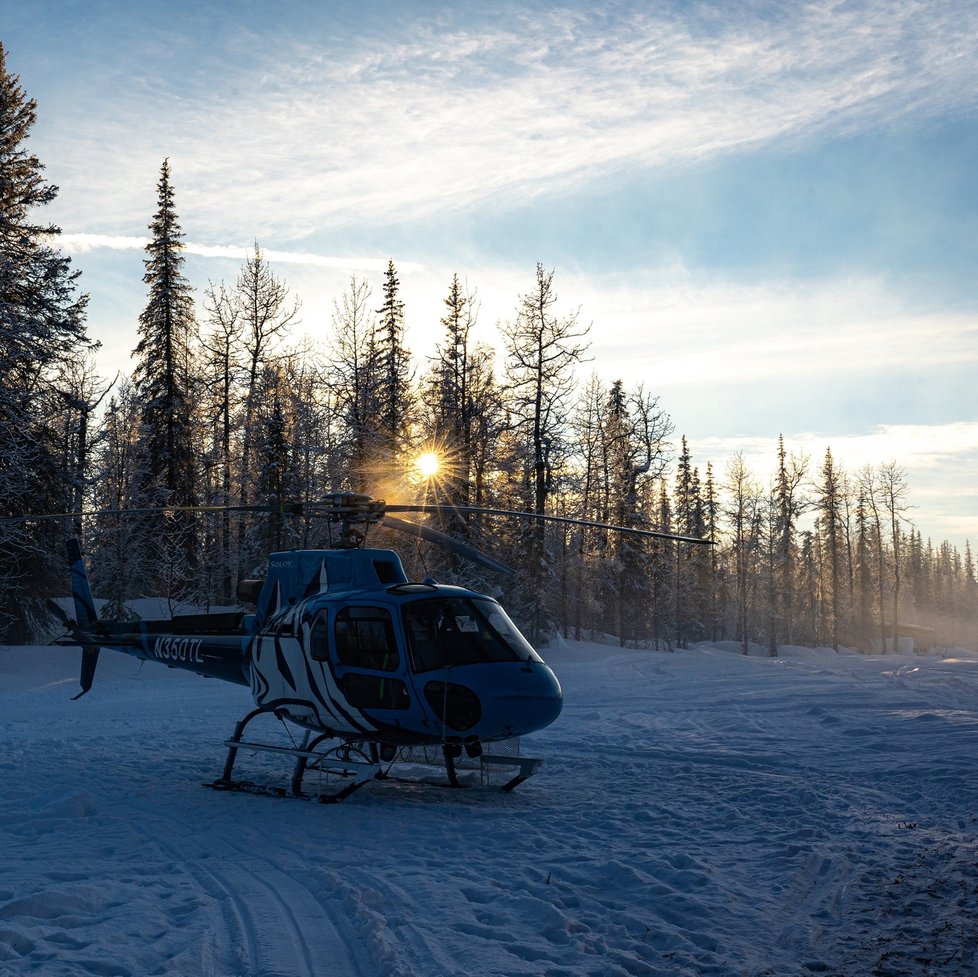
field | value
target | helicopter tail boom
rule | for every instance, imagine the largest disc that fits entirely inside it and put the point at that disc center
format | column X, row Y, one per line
column 215, row 645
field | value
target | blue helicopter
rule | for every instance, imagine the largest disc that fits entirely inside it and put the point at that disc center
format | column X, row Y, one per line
column 369, row 664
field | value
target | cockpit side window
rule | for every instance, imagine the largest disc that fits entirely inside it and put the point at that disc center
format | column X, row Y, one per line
column 319, row 637
column 365, row 638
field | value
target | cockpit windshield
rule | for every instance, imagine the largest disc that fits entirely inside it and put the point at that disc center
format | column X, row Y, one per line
column 445, row 631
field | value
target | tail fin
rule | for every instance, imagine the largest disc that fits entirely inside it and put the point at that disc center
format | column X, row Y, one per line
column 85, row 614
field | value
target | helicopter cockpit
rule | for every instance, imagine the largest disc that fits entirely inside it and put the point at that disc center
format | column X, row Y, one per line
column 454, row 630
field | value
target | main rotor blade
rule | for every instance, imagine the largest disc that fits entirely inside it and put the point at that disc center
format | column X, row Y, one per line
column 477, row 510
column 462, row 549
column 365, row 509
column 142, row 511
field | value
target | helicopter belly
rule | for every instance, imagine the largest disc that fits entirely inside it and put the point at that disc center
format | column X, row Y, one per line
column 282, row 678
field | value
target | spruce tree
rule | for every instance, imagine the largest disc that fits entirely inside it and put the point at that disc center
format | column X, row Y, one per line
column 454, row 408
column 163, row 383
column 864, row 587
column 714, row 598
column 273, row 461
column 689, row 522
column 788, row 506
column 828, row 504
column 42, row 331
column 663, row 578
column 394, row 363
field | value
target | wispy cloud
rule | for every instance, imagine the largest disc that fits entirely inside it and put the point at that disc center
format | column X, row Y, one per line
column 305, row 137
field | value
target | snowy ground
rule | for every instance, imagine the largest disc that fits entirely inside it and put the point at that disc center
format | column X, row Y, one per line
column 698, row 813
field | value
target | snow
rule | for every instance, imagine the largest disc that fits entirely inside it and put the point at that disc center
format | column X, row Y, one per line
column 701, row 812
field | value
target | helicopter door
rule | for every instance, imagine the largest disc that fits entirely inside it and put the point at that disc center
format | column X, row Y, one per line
column 365, row 656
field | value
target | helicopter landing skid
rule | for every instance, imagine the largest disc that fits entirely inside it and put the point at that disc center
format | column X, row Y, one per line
column 345, row 763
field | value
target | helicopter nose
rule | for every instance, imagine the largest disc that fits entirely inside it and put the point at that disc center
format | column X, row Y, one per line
column 495, row 701
column 526, row 697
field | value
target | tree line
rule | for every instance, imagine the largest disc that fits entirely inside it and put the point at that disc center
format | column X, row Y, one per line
column 226, row 410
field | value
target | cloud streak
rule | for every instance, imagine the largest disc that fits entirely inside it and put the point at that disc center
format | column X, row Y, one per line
column 85, row 243
column 703, row 332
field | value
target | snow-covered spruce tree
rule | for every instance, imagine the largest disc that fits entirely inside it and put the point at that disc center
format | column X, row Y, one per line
column 42, row 331
column 163, row 384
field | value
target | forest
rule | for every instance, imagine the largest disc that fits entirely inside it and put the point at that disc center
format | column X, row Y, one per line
column 227, row 412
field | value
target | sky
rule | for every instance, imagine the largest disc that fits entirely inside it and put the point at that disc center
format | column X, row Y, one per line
column 767, row 212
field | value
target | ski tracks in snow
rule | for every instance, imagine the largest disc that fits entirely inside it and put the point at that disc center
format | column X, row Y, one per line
column 178, row 896
column 270, row 922
column 115, row 862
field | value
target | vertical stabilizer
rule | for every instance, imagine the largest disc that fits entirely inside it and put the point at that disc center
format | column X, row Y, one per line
column 84, row 604
column 85, row 615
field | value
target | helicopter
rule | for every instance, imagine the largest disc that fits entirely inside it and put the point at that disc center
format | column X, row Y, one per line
column 367, row 663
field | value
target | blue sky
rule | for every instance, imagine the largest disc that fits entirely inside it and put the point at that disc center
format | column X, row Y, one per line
column 768, row 211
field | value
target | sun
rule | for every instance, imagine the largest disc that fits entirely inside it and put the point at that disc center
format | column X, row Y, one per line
column 427, row 464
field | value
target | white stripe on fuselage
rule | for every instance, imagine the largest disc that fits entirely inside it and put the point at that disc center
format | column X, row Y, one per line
column 322, row 708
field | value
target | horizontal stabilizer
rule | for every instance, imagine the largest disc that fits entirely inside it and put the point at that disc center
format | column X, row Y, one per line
column 88, row 663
